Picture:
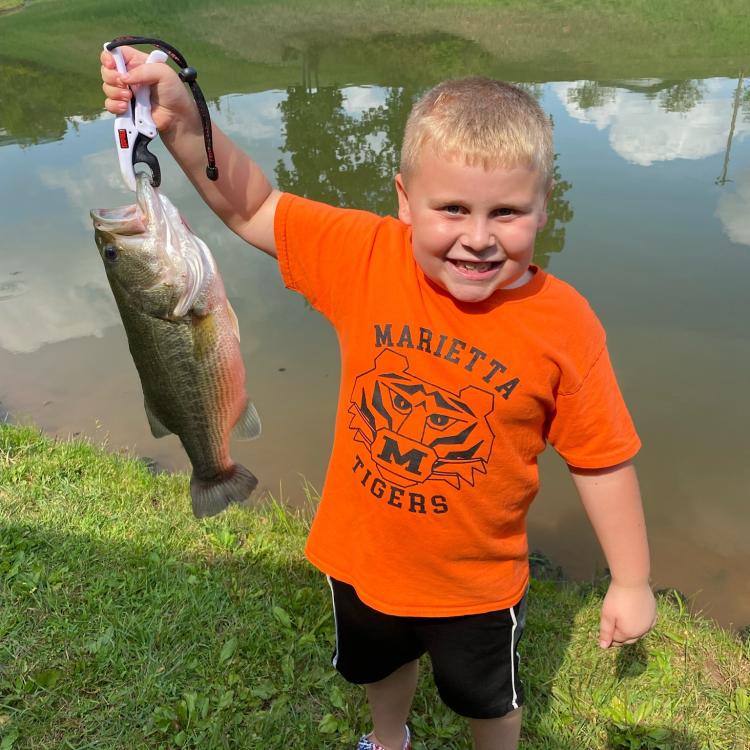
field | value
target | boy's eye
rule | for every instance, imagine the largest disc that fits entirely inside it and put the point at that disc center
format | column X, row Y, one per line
column 452, row 209
column 504, row 212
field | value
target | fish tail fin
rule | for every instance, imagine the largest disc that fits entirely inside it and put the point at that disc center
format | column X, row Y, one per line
column 213, row 496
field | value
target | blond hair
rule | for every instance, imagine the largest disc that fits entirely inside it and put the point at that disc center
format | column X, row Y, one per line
column 485, row 122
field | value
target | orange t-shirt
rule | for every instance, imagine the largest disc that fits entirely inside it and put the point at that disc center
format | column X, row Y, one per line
column 443, row 409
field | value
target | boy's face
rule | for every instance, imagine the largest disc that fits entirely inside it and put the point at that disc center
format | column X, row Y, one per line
column 473, row 229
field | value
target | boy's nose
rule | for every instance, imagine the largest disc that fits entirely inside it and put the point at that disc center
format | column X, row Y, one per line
column 477, row 236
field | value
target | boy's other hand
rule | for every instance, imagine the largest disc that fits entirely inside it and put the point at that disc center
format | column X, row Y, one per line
column 628, row 613
column 170, row 100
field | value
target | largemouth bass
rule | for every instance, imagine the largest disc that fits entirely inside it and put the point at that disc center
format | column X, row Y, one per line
column 184, row 339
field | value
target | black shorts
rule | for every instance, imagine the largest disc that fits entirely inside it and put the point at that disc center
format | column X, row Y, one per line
column 474, row 657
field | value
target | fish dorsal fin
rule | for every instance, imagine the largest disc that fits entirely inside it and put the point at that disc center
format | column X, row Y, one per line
column 157, row 427
column 233, row 320
column 248, row 425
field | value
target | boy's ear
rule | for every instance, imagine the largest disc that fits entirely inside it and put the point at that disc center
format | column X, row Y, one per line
column 404, row 212
column 543, row 218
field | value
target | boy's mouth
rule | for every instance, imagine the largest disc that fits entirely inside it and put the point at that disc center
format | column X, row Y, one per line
column 474, row 267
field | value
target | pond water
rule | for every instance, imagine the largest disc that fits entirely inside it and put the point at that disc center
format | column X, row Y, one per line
column 650, row 220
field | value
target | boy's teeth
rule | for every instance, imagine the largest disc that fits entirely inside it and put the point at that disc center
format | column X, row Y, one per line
column 474, row 266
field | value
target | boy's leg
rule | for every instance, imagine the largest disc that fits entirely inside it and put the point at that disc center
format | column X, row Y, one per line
column 390, row 700
column 497, row 734
column 380, row 652
column 475, row 663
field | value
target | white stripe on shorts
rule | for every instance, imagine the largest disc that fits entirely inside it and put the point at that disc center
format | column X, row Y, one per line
column 335, row 622
column 512, row 657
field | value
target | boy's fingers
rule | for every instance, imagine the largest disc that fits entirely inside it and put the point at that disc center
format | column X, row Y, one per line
column 131, row 56
column 115, row 93
column 115, row 106
column 109, row 75
column 606, row 631
column 112, row 86
column 149, row 74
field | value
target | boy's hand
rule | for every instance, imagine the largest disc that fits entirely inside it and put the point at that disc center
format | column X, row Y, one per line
column 170, row 100
column 612, row 500
column 628, row 613
column 242, row 197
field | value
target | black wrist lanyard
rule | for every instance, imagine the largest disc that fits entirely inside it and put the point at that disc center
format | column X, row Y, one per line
column 188, row 75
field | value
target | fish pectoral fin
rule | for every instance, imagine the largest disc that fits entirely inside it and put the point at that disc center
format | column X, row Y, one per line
column 248, row 425
column 200, row 271
column 233, row 320
column 157, row 428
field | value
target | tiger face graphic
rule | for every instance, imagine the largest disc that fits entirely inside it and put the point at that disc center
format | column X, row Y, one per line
column 416, row 431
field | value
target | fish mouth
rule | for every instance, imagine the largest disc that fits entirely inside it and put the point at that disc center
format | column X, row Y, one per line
column 134, row 218
column 121, row 221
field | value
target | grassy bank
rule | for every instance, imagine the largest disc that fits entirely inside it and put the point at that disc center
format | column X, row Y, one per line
column 567, row 38
column 126, row 623
column 49, row 50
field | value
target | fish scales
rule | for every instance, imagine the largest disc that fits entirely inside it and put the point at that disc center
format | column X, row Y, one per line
column 183, row 338
column 163, row 352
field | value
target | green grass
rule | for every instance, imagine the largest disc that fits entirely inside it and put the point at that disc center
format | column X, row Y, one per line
column 49, row 50
column 126, row 623
column 254, row 44
column 250, row 45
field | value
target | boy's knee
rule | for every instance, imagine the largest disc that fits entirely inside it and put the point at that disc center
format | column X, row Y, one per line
column 497, row 734
column 479, row 700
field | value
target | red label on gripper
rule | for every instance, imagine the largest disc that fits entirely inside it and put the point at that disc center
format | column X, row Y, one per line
column 122, row 134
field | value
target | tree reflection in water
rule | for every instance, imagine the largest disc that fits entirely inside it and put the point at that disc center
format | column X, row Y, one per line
column 336, row 157
column 350, row 160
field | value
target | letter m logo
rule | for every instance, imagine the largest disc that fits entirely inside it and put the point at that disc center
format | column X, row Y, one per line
column 409, row 460
column 400, row 458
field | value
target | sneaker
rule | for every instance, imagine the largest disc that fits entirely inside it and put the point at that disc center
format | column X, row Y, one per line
column 365, row 743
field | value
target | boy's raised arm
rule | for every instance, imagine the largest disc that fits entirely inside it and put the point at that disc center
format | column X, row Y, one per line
column 612, row 500
column 242, row 197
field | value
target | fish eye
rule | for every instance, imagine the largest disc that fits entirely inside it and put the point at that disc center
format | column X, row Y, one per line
column 110, row 252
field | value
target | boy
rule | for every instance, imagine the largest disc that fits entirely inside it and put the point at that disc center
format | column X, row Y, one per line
column 460, row 360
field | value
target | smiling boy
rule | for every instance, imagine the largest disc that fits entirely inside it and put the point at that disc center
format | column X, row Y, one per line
column 460, row 361
column 473, row 229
